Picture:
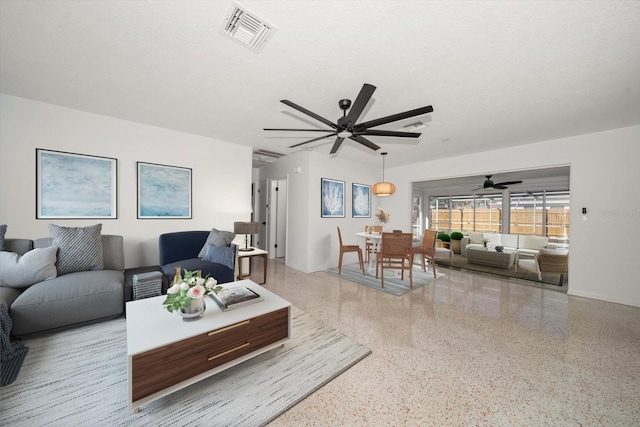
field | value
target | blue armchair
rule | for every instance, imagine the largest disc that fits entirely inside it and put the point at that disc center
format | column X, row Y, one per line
column 181, row 249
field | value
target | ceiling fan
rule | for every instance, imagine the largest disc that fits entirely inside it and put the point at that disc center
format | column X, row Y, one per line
column 499, row 186
column 347, row 126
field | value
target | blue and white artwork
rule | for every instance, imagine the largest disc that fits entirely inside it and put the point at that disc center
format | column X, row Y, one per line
column 163, row 191
column 360, row 200
column 75, row 185
column 332, row 196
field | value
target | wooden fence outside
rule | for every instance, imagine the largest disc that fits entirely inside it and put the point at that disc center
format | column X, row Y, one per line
column 489, row 220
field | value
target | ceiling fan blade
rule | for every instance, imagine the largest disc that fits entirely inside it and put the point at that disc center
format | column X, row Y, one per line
column 309, row 113
column 336, row 145
column 361, row 101
column 390, row 133
column 508, row 183
column 364, row 142
column 300, row 130
column 499, row 187
column 394, row 118
column 312, row 140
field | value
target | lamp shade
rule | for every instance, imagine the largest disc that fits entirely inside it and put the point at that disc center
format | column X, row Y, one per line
column 245, row 227
column 382, row 189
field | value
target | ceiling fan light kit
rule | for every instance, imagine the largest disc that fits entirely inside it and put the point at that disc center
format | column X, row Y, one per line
column 347, row 126
column 383, row 188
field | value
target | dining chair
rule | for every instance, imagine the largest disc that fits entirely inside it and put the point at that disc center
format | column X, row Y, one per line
column 348, row 248
column 429, row 250
column 369, row 245
column 395, row 249
column 546, row 261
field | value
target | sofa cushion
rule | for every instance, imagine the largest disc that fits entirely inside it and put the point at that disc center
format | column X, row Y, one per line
column 509, row 241
column 554, row 251
column 67, row 300
column 532, row 242
column 3, row 232
column 79, row 248
column 23, row 271
column 225, row 255
column 475, row 237
column 493, row 239
column 217, row 238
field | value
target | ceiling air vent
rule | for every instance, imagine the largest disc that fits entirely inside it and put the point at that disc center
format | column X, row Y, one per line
column 246, row 28
column 264, row 157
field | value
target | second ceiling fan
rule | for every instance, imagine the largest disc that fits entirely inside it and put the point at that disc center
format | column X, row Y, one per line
column 347, row 126
column 498, row 185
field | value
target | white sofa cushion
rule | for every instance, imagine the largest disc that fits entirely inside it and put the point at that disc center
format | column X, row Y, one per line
column 493, row 239
column 475, row 237
column 554, row 251
column 509, row 241
column 532, row 242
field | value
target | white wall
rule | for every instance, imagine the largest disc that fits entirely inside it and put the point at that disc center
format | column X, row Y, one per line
column 221, row 172
column 604, row 179
column 312, row 241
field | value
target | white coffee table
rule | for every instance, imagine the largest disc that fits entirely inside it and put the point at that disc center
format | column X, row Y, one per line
column 166, row 354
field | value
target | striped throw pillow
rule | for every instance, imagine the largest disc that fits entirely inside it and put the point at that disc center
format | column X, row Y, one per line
column 79, row 248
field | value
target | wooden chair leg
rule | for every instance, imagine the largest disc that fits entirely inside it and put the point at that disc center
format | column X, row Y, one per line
column 340, row 263
column 361, row 263
column 433, row 265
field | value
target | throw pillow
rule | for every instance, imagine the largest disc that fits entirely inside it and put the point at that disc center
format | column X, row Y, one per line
column 217, row 238
column 3, row 231
column 79, row 248
column 475, row 237
column 225, row 255
column 23, row 271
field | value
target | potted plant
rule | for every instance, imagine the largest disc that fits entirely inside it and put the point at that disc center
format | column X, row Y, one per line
column 443, row 237
column 456, row 237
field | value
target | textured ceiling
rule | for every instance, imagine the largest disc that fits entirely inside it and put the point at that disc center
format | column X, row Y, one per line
column 498, row 73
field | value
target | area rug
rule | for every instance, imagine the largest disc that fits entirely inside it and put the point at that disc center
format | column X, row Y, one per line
column 79, row 377
column 392, row 285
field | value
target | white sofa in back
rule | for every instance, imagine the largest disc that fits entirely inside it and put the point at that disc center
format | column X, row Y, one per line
column 521, row 244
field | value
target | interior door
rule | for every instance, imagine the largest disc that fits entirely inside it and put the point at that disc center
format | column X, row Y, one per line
column 281, row 218
column 262, row 203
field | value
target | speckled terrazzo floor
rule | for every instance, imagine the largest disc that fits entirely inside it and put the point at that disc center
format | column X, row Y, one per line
column 470, row 349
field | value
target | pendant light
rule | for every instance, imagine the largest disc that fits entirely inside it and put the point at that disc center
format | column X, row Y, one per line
column 383, row 189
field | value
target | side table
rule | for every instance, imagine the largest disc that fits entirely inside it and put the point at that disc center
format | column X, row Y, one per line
column 128, row 280
column 250, row 255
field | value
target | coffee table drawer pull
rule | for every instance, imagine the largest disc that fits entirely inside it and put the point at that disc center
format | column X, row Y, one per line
column 217, row 331
column 228, row 351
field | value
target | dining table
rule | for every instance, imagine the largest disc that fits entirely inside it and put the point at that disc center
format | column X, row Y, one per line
column 376, row 238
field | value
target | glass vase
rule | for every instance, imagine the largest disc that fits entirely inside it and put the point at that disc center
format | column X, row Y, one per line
column 194, row 311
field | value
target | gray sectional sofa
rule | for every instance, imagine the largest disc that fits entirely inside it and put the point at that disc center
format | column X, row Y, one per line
column 67, row 299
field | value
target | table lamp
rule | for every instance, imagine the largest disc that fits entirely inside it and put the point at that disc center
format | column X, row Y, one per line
column 245, row 228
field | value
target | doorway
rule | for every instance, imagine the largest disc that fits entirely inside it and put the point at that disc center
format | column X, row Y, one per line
column 277, row 219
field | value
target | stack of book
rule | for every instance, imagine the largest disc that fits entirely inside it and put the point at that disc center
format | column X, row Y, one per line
column 234, row 297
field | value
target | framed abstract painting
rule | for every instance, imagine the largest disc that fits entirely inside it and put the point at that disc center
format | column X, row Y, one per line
column 164, row 192
column 75, row 186
column 360, row 200
column 332, row 198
